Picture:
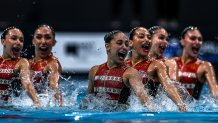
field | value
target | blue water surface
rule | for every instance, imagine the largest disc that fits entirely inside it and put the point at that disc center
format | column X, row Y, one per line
column 74, row 90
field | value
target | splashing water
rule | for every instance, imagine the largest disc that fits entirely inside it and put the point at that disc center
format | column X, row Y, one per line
column 135, row 104
column 74, row 90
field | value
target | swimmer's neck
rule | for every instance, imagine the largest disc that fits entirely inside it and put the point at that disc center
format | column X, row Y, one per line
column 111, row 64
column 136, row 59
column 186, row 59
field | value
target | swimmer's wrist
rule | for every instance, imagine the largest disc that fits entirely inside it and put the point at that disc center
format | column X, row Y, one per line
column 35, row 100
column 180, row 104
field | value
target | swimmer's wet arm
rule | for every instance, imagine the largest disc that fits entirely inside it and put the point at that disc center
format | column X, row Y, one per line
column 90, row 90
column 169, row 87
column 32, row 94
column 173, row 93
column 135, row 82
column 211, row 78
column 24, row 71
column 172, row 69
column 54, row 70
column 89, row 94
column 91, row 78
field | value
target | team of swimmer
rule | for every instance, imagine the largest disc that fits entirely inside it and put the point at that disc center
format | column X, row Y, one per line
column 141, row 72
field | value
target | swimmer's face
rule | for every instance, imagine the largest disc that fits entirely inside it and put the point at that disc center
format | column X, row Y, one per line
column 141, row 42
column 43, row 41
column 13, row 43
column 192, row 42
column 118, row 47
column 159, row 42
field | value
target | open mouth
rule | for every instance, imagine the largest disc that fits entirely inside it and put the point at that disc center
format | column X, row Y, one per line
column 162, row 48
column 16, row 50
column 122, row 55
column 43, row 48
column 146, row 47
column 195, row 49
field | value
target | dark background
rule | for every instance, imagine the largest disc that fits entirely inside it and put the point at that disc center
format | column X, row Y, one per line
column 107, row 15
column 98, row 15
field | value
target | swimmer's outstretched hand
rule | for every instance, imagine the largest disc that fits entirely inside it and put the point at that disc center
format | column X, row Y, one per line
column 150, row 106
column 84, row 104
column 36, row 104
column 215, row 96
column 86, row 101
column 182, row 107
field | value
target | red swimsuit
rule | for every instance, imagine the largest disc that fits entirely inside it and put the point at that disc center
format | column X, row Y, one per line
column 7, row 78
column 39, row 77
column 142, row 67
column 188, row 76
column 110, row 82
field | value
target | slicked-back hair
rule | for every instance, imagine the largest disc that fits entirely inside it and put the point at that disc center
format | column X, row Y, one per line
column 132, row 32
column 110, row 35
column 152, row 30
column 48, row 26
column 188, row 29
column 5, row 32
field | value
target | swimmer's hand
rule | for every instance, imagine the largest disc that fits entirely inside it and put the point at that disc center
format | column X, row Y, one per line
column 182, row 107
column 150, row 106
column 215, row 96
column 84, row 104
column 36, row 104
column 86, row 101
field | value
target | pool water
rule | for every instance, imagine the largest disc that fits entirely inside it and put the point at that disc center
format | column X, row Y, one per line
column 111, row 117
column 206, row 110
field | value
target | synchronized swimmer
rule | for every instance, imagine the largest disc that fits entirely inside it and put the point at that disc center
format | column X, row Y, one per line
column 140, row 74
